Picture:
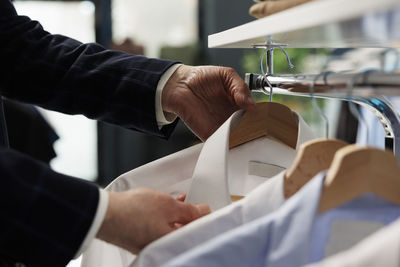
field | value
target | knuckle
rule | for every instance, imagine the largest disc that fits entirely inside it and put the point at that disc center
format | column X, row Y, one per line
column 190, row 211
column 169, row 201
column 229, row 70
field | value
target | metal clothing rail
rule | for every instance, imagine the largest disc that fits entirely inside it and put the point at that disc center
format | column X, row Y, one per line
column 366, row 84
column 368, row 91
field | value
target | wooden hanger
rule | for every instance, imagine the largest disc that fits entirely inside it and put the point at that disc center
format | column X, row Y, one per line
column 313, row 157
column 268, row 118
column 356, row 170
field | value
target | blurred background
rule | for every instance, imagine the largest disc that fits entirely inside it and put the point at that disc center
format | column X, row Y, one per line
column 173, row 29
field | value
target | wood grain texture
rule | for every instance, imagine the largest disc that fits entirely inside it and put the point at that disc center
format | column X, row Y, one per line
column 313, row 157
column 268, row 118
column 357, row 170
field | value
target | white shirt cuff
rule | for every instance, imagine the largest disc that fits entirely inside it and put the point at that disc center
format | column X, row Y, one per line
column 98, row 220
column 162, row 117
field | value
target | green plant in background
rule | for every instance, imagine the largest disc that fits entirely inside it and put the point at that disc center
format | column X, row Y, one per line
column 298, row 56
column 251, row 59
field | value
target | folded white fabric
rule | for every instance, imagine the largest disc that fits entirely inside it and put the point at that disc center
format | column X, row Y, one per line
column 224, row 172
column 170, row 174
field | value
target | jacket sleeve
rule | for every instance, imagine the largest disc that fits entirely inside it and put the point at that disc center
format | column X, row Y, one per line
column 62, row 74
column 44, row 215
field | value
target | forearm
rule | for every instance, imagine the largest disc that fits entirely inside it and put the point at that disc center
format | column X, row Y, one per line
column 62, row 74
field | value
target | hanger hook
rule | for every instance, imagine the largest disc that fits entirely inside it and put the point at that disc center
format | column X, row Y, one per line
column 287, row 56
column 352, row 106
column 270, row 92
column 267, row 49
column 314, row 102
column 270, row 87
column 271, row 48
column 262, row 60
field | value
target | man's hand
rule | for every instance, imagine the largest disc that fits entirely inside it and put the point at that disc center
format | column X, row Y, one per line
column 205, row 96
column 137, row 217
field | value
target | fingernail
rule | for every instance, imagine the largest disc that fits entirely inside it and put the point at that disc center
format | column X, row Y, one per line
column 203, row 209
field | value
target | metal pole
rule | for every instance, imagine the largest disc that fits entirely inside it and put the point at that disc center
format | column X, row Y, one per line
column 335, row 83
column 382, row 108
column 270, row 62
column 389, row 119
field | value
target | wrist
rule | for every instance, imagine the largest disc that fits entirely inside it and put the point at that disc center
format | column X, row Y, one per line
column 107, row 226
column 174, row 89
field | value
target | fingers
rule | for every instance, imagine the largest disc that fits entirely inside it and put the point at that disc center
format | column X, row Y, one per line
column 239, row 90
column 185, row 212
column 139, row 216
column 204, row 97
column 203, row 120
column 243, row 99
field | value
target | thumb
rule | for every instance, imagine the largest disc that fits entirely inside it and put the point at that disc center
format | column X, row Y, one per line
column 240, row 91
column 243, row 99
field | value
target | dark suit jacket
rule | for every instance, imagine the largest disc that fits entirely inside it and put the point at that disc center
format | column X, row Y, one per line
column 45, row 215
column 29, row 132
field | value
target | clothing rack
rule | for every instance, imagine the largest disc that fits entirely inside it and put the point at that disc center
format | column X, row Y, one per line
column 367, row 84
column 369, row 90
column 361, row 24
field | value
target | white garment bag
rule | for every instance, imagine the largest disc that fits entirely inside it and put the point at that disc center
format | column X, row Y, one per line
column 208, row 173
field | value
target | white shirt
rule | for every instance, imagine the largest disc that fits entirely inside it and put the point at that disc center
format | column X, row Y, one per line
column 293, row 233
column 163, row 118
column 380, row 249
column 234, row 172
column 265, row 199
column 341, row 228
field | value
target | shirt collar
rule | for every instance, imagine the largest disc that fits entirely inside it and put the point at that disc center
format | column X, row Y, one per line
column 210, row 179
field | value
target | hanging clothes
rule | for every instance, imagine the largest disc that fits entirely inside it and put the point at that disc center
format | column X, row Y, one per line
column 380, row 249
column 263, row 200
column 343, row 227
column 243, row 168
column 282, row 238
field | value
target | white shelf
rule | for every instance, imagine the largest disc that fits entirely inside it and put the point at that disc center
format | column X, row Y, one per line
column 321, row 23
